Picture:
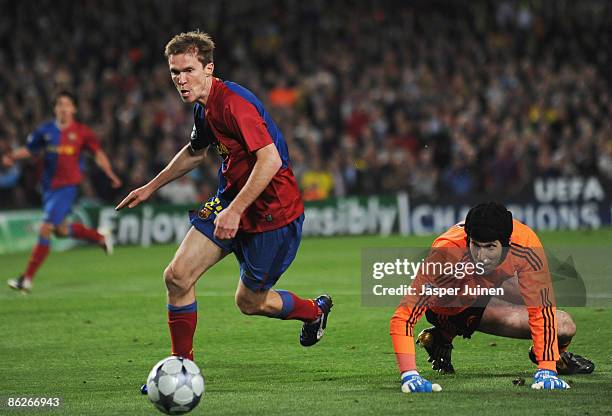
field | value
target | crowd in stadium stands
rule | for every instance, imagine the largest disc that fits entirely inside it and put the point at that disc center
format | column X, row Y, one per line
column 432, row 97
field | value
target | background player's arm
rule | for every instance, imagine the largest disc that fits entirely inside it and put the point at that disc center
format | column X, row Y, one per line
column 267, row 164
column 18, row 154
column 102, row 161
column 184, row 161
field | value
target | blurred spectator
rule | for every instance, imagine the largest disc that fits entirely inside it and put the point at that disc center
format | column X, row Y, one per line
column 180, row 191
column 497, row 91
column 316, row 182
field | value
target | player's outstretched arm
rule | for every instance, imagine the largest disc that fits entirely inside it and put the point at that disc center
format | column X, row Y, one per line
column 184, row 161
column 18, row 154
column 102, row 161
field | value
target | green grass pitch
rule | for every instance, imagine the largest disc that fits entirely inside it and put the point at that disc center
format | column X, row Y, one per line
column 94, row 326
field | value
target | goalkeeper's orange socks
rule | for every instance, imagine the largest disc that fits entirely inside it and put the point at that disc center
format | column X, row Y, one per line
column 294, row 307
column 80, row 232
column 182, row 321
column 38, row 256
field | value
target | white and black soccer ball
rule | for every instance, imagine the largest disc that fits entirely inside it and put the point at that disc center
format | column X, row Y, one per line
column 175, row 385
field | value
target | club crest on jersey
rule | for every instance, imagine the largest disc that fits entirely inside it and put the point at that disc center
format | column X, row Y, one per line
column 72, row 136
column 222, row 150
column 204, row 213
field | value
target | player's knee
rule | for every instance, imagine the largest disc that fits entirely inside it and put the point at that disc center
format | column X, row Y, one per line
column 177, row 280
column 46, row 230
column 61, row 231
column 248, row 306
column 567, row 327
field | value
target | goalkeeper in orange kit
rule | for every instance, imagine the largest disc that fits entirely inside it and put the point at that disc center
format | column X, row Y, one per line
column 507, row 259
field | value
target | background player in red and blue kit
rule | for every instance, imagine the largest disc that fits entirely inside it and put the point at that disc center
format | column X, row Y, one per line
column 257, row 212
column 61, row 141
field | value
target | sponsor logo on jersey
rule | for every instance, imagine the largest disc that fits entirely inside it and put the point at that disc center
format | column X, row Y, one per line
column 64, row 149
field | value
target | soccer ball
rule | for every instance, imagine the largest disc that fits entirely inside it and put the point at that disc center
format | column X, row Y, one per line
column 175, row 385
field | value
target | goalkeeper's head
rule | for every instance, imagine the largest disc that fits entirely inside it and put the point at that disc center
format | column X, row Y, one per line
column 488, row 227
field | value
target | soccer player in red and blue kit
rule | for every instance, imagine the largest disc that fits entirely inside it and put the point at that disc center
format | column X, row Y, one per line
column 61, row 141
column 257, row 212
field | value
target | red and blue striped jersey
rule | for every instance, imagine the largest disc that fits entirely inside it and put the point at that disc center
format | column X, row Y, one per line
column 235, row 122
column 62, row 152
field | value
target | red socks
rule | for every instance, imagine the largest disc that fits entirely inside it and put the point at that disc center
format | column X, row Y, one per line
column 294, row 307
column 41, row 250
column 38, row 256
column 80, row 232
column 182, row 321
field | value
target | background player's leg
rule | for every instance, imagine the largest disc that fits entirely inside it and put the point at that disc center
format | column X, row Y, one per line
column 80, row 232
column 510, row 320
column 40, row 251
column 59, row 204
column 196, row 254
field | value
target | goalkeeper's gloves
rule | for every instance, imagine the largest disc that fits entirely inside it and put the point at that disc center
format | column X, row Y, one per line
column 412, row 382
column 438, row 348
column 548, row 380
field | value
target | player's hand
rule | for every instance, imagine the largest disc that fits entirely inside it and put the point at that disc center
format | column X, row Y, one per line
column 226, row 224
column 115, row 181
column 548, row 380
column 135, row 197
column 412, row 382
column 7, row 161
column 438, row 348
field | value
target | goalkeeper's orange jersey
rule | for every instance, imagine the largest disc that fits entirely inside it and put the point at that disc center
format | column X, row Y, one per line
column 524, row 259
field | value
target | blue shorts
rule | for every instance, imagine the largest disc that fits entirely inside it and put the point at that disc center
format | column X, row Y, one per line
column 264, row 256
column 57, row 203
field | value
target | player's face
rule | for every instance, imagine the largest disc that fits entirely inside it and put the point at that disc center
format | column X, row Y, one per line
column 64, row 110
column 487, row 253
column 190, row 77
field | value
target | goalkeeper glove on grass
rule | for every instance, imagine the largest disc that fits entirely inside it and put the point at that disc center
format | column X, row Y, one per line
column 548, row 380
column 412, row 382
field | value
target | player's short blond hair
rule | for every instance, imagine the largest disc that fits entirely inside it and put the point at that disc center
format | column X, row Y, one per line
column 196, row 42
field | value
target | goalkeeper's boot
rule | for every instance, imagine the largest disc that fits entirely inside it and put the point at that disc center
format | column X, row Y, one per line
column 569, row 363
column 313, row 331
column 439, row 349
column 20, row 283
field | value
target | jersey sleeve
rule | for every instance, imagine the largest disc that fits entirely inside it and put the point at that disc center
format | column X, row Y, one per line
column 406, row 316
column 35, row 141
column 247, row 125
column 444, row 249
column 201, row 135
column 536, row 288
column 90, row 140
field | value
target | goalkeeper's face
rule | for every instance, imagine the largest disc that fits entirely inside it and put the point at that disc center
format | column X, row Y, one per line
column 488, row 254
column 191, row 79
